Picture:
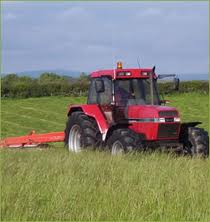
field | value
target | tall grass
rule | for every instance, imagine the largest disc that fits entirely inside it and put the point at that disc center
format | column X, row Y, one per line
column 53, row 184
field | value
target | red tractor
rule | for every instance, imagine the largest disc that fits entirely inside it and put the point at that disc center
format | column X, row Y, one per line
column 124, row 112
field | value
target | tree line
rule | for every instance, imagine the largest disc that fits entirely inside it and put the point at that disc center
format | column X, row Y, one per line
column 199, row 86
column 47, row 84
column 51, row 84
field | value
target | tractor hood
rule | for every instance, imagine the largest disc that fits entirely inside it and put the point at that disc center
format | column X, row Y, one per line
column 151, row 111
column 154, row 122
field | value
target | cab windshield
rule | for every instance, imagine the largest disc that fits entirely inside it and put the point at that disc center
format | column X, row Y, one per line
column 135, row 92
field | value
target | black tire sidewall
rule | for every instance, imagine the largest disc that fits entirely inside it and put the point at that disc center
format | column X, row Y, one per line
column 72, row 121
column 198, row 142
column 126, row 137
column 88, row 129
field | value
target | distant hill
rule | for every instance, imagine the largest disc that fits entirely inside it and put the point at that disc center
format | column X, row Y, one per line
column 37, row 73
column 188, row 77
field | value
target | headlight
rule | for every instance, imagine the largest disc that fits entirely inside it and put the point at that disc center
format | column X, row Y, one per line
column 177, row 119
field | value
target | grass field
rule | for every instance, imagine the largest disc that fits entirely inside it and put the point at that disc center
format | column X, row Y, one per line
column 52, row 184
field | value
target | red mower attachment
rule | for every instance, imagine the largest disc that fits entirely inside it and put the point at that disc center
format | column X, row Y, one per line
column 32, row 140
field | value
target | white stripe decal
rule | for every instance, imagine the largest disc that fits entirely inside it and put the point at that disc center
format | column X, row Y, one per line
column 152, row 120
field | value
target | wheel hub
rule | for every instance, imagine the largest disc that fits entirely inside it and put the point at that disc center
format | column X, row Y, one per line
column 75, row 139
column 117, row 148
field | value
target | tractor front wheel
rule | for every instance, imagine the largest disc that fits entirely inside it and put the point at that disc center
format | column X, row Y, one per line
column 196, row 142
column 122, row 141
column 81, row 132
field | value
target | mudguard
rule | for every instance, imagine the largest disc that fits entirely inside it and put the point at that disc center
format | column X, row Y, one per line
column 94, row 111
column 190, row 124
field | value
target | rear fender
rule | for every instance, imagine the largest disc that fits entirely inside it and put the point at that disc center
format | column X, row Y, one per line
column 94, row 111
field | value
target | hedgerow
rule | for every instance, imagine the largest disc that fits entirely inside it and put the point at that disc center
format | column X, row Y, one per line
column 51, row 84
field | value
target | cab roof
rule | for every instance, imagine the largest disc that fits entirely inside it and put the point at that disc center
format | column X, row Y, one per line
column 123, row 73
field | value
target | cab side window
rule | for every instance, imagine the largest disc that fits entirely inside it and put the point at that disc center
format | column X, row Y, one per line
column 102, row 98
column 106, row 96
column 92, row 95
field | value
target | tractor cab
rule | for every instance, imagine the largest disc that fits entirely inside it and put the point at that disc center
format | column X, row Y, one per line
column 115, row 90
column 122, row 87
column 130, row 96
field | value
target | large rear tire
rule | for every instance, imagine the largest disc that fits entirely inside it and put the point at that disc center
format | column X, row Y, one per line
column 123, row 141
column 81, row 132
column 196, row 142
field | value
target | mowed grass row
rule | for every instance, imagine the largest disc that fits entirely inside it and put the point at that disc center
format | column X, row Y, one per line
column 53, row 184
column 20, row 116
column 193, row 107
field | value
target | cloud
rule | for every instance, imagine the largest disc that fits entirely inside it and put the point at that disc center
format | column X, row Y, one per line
column 9, row 17
column 75, row 11
column 151, row 12
column 88, row 36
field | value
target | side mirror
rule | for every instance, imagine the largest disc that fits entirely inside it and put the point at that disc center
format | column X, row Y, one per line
column 176, row 84
column 99, row 86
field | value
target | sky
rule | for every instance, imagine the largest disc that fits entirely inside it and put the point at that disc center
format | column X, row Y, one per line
column 88, row 36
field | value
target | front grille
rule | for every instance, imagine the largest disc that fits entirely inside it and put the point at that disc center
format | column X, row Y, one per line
column 168, row 130
column 168, row 113
column 169, row 120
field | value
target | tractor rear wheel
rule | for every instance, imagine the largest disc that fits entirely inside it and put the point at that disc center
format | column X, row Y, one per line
column 123, row 141
column 196, row 142
column 81, row 132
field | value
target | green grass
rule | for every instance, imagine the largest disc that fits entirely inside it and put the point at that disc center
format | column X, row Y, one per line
column 193, row 107
column 52, row 184
column 19, row 116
